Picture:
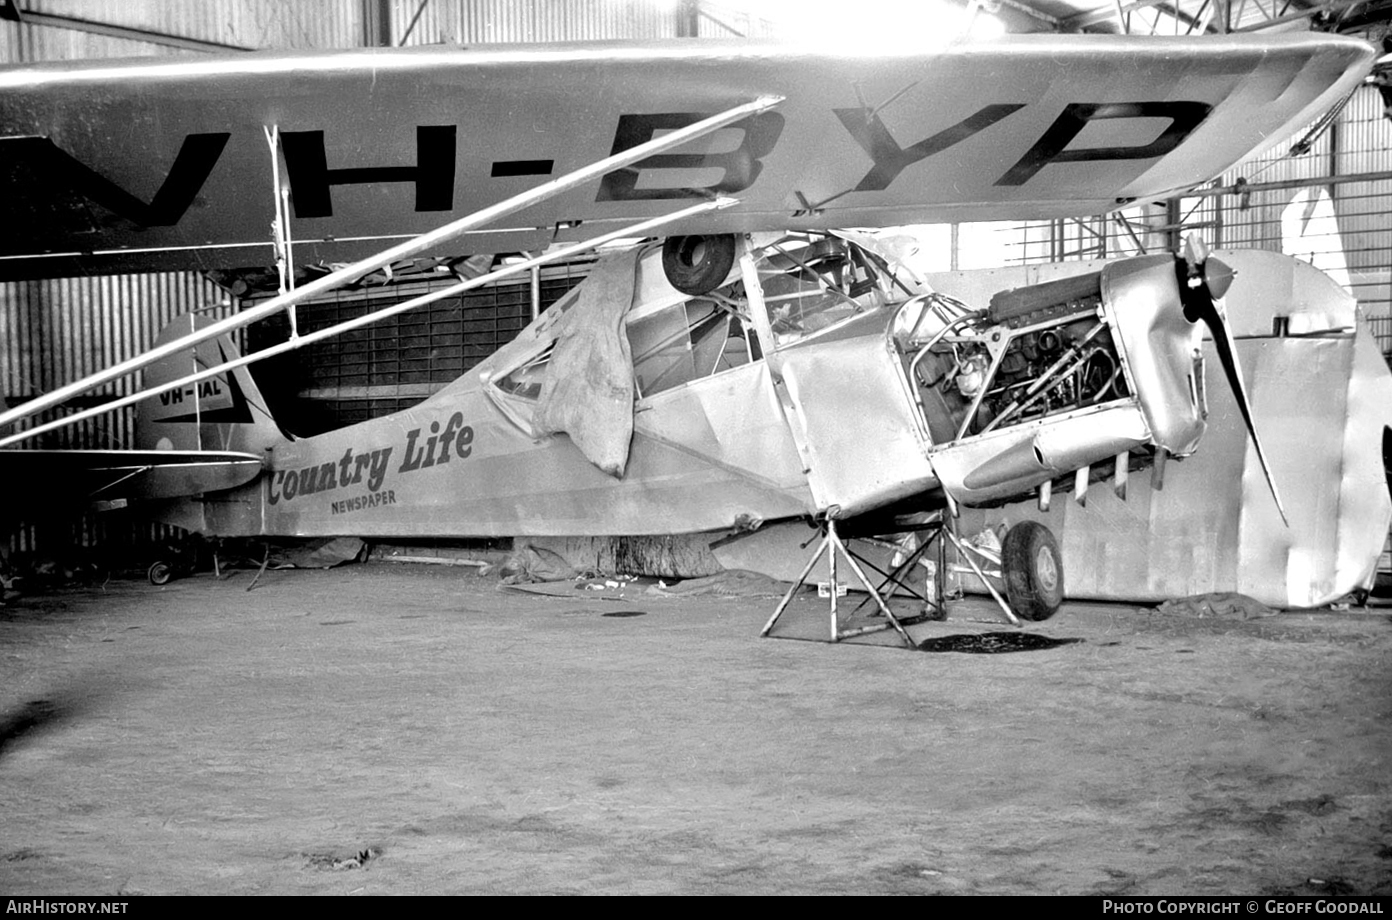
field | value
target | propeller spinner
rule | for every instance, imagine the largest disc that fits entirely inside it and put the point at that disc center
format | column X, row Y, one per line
column 1202, row 287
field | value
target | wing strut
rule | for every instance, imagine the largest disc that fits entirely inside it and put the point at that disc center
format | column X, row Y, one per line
column 404, row 250
column 639, row 229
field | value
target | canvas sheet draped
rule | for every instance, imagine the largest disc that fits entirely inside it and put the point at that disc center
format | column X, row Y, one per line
column 588, row 390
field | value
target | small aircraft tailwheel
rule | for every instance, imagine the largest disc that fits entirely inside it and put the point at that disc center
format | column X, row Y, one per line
column 160, row 573
column 697, row 265
column 1033, row 571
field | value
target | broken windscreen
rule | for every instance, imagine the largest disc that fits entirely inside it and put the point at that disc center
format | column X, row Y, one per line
column 811, row 283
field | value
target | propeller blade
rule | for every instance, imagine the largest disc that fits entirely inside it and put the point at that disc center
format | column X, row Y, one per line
column 1201, row 303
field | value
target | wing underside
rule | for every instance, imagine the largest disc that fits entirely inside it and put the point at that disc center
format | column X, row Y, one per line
column 139, row 165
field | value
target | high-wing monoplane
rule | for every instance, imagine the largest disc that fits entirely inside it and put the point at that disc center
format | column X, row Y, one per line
column 752, row 365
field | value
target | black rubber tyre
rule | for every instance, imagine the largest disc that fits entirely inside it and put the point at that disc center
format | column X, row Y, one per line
column 698, row 264
column 160, row 573
column 1033, row 570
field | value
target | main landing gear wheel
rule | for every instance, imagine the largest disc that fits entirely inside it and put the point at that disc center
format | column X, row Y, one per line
column 160, row 573
column 697, row 265
column 1033, row 571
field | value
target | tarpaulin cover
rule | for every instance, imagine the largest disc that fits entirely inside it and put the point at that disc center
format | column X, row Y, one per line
column 588, row 389
column 315, row 554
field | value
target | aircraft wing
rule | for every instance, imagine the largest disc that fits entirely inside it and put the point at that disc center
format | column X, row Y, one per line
column 165, row 163
column 65, row 477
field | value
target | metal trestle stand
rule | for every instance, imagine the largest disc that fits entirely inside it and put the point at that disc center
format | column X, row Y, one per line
column 832, row 545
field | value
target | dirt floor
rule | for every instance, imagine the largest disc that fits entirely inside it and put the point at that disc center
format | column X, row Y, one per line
column 412, row 729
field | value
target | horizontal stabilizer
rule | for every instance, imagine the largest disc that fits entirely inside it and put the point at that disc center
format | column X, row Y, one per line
column 77, row 476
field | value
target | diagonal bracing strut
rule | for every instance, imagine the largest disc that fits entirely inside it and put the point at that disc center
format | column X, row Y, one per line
column 404, row 250
column 639, row 229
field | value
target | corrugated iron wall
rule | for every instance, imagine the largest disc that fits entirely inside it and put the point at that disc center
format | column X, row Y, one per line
column 244, row 23
column 58, row 330
column 716, row 20
column 424, row 22
column 55, row 331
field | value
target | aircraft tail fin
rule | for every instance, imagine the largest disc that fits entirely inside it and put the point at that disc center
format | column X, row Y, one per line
column 225, row 412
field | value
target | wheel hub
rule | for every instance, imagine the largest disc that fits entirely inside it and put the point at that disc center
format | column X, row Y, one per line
column 1047, row 567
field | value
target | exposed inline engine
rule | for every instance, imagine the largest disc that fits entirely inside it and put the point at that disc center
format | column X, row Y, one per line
column 1033, row 352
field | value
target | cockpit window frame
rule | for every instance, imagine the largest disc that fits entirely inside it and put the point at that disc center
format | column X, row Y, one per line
column 859, row 261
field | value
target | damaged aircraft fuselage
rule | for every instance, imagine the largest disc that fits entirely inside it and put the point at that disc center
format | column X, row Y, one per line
column 812, row 375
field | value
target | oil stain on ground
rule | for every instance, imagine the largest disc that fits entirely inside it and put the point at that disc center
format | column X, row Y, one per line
column 992, row 643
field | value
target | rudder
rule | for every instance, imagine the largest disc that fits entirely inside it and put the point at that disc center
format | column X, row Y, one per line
column 223, row 412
